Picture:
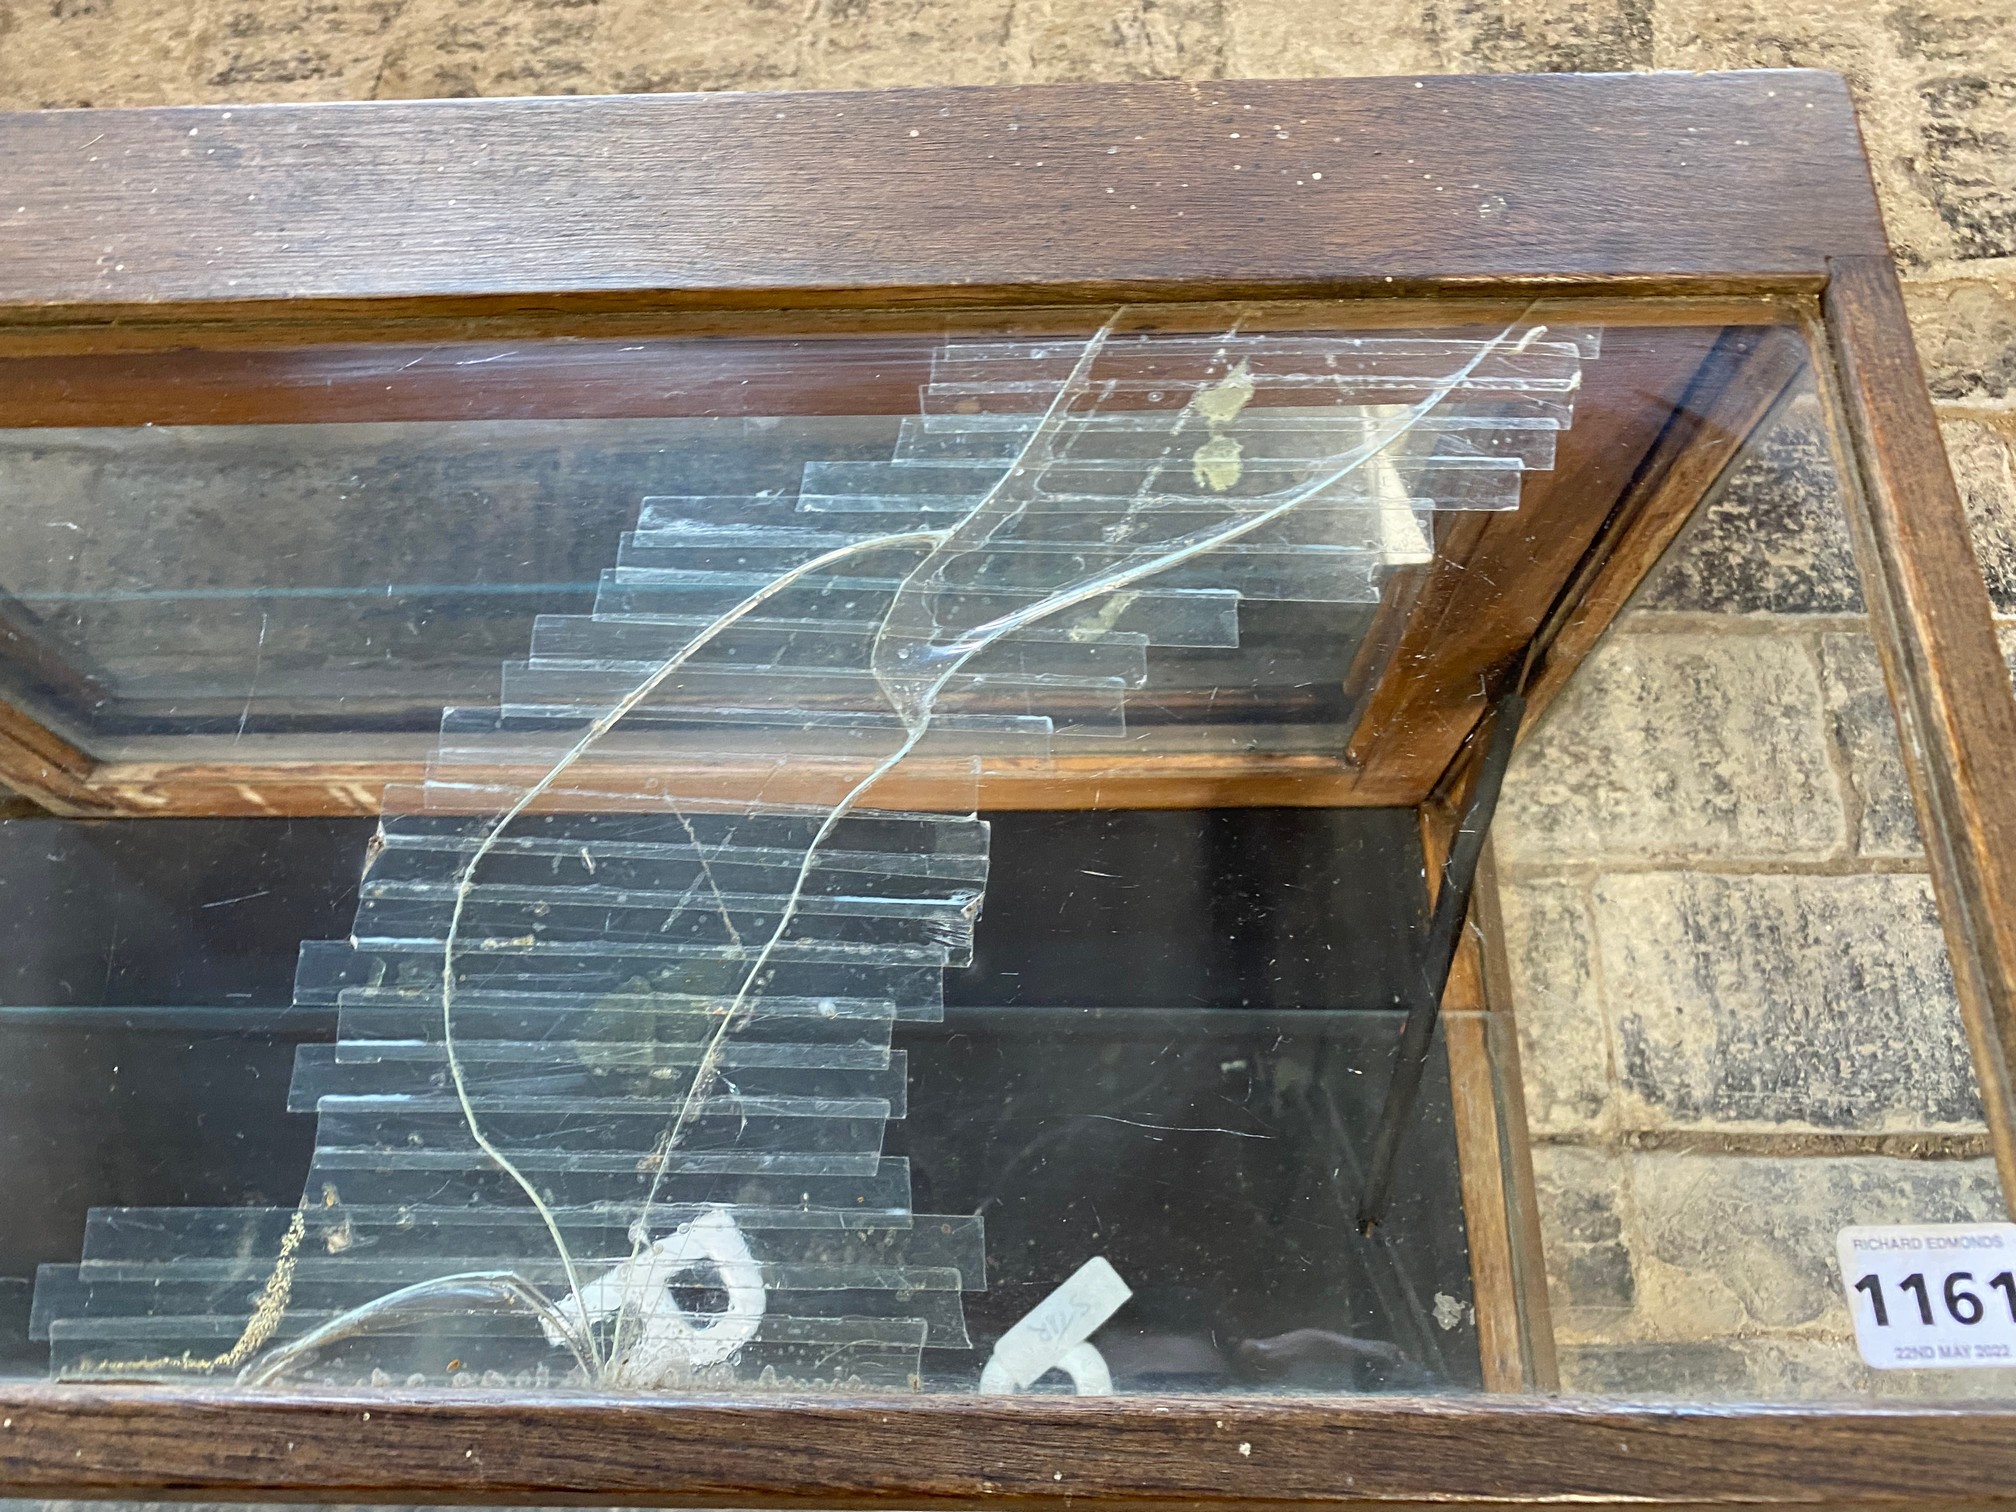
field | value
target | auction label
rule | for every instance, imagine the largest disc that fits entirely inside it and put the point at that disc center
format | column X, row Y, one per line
column 1932, row 1296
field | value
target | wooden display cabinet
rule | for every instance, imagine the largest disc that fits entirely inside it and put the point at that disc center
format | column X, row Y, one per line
column 232, row 278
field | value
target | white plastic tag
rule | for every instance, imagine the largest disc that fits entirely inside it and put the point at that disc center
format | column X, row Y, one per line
column 1932, row 1296
column 1066, row 1318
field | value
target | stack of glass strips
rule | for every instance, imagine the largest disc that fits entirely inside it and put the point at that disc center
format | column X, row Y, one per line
column 676, row 972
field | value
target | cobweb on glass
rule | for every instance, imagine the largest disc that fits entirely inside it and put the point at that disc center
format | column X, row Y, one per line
column 614, row 1065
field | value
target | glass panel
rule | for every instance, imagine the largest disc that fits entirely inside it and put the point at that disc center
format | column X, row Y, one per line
column 309, row 552
column 1738, row 1023
column 901, row 864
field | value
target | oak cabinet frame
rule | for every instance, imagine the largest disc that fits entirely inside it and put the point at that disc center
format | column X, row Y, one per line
column 474, row 221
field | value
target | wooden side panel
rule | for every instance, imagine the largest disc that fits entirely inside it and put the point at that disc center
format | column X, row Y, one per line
column 646, row 365
column 977, row 1452
column 1316, row 186
column 1947, row 677
column 1500, row 1053
column 46, row 769
column 1735, row 389
column 1480, row 1147
column 226, row 789
column 1497, row 575
column 1493, row 585
column 333, row 383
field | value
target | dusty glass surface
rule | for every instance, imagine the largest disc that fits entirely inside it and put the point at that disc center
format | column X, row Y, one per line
column 299, row 544
column 1739, row 1028
column 751, row 982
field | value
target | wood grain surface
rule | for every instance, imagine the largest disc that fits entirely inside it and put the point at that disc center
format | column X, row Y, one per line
column 1499, row 1032
column 1497, row 574
column 930, row 1452
column 1730, row 396
column 1075, row 191
column 1948, row 681
column 253, row 788
column 1515, row 1344
column 530, row 208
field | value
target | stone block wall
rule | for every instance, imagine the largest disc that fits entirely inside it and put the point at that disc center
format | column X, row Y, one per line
column 1738, row 1024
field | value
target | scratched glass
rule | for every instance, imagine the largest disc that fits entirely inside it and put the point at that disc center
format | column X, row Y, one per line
column 779, row 960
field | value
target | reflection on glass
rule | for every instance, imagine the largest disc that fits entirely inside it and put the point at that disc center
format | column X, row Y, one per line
column 620, row 1014
column 683, row 1023
column 1741, row 1033
column 396, row 525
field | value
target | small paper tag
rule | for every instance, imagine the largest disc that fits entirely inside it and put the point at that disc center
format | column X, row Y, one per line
column 1932, row 1296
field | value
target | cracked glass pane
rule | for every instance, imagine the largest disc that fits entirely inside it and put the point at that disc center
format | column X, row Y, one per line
column 878, row 862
